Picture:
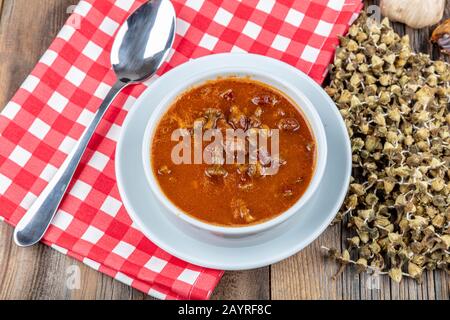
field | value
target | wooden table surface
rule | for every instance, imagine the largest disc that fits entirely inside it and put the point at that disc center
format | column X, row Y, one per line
column 27, row 27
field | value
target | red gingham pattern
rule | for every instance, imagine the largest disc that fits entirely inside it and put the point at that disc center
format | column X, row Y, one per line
column 53, row 106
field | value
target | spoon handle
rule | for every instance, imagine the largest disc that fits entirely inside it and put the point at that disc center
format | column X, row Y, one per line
column 32, row 227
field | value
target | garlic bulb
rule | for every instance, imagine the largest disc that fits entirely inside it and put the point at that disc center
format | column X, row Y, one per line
column 414, row 13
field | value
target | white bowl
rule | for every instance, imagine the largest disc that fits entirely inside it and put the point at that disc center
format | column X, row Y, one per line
column 295, row 95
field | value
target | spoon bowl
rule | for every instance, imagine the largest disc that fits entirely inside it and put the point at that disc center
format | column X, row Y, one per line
column 140, row 48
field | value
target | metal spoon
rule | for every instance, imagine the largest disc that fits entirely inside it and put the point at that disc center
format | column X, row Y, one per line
column 141, row 46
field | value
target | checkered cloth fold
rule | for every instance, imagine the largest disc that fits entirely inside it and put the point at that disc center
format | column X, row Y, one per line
column 49, row 112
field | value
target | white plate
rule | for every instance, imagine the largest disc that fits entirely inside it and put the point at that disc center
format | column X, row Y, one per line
column 217, row 252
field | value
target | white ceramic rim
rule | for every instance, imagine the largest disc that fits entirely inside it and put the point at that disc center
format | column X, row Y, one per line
column 294, row 94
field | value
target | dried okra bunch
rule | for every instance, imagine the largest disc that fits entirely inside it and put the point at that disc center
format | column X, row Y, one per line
column 395, row 104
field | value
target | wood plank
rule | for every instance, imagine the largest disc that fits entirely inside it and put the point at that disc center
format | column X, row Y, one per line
column 244, row 285
column 442, row 286
column 21, row 44
column 305, row 275
column 39, row 272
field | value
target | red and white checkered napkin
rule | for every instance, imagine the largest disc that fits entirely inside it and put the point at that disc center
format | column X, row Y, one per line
column 51, row 109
